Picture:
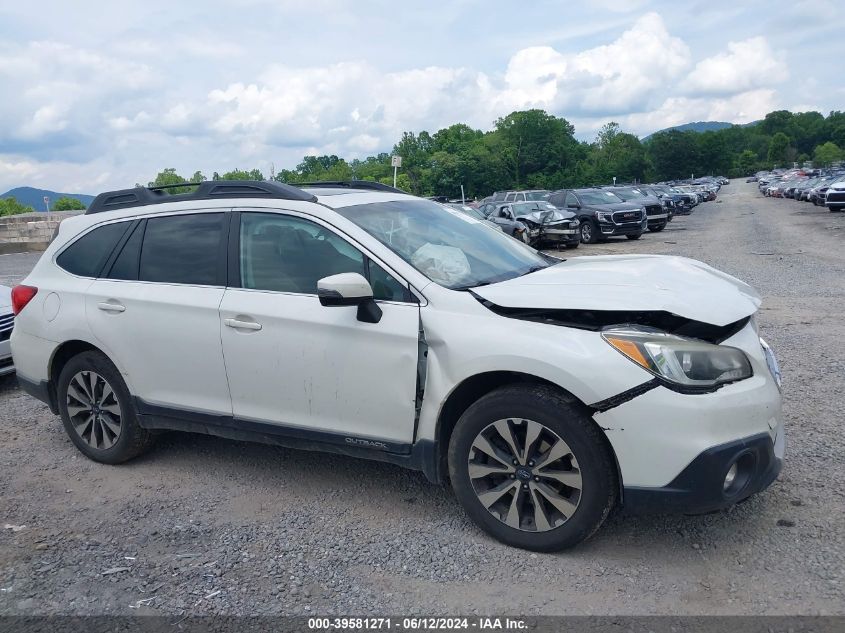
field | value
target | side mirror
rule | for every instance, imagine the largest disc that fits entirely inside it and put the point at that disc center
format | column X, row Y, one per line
column 349, row 289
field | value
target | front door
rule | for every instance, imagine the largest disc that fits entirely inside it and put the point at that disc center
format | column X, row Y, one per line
column 295, row 363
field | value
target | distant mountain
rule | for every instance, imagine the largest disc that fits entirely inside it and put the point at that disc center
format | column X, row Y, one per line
column 35, row 197
column 698, row 126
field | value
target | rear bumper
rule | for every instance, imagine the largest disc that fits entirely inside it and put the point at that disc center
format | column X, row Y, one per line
column 6, row 364
column 39, row 389
column 699, row 488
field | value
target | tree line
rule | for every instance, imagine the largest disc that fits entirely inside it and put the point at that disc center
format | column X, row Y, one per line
column 535, row 149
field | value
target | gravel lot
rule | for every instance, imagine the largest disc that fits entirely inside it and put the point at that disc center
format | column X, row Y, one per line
column 204, row 525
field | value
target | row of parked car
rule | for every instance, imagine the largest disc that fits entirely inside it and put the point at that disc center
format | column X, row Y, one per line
column 567, row 218
column 824, row 188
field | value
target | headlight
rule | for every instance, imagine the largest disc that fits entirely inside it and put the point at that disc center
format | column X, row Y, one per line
column 682, row 361
column 605, row 216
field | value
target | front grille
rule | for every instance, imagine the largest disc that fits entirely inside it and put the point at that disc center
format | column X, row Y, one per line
column 628, row 217
column 7, row 322
column 836, row 196
column 654, row 209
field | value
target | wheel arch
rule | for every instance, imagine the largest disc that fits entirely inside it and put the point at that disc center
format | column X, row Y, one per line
column 472, row 388
column 62, row 354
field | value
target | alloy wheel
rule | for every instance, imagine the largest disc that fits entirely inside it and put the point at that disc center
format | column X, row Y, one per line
column 525, row 475
column 93, row 409
column 586, row 232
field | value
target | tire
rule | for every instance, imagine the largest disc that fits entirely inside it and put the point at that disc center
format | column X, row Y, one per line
column 114, row 435
column 571, row 245
column 564, row 429
column 635, row 236
column 589, row 232
column 525, row 237
column 657, row 227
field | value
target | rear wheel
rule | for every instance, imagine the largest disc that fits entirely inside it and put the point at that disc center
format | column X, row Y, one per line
column 531, row 469
column 97, row 410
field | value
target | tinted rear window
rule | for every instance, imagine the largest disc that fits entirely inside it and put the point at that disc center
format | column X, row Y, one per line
column 182, row 249
column 126, row 265
column 87, row 255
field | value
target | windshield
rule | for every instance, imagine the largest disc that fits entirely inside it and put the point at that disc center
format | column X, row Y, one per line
column 475, row 213
column 599, row 197
column 536, row 195
column 627, row 194
column 450, row 248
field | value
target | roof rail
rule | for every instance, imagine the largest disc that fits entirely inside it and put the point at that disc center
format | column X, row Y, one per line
column 351, row 184
column 206, row 190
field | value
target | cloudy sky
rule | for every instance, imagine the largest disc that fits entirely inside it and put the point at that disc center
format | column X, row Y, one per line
column 101, row 95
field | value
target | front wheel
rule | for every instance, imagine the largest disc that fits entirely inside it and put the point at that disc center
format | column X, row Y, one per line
column 589, row 232
column 531, row 469
column 635, row 236
column 657, row 227
column 97, row 410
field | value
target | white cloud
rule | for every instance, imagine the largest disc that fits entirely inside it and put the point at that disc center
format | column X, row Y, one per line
column 746, row 65
column 627, row 74
column 741, row 108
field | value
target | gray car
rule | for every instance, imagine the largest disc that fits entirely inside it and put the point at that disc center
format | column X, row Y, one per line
column 537, row 223
column 7, row 320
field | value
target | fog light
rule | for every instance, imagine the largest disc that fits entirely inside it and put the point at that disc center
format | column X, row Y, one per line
column 730, row 477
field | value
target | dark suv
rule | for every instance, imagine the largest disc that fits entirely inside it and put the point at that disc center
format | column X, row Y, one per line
column 602, row 213
column 657, row 215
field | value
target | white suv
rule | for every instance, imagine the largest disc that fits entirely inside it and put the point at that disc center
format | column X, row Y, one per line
column 360, row 320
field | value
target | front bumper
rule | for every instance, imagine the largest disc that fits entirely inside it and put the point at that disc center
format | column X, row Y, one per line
column 632, row 228
column 700, row 488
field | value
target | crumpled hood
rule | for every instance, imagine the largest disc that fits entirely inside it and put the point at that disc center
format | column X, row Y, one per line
column 678, row 285
column 5, row 298
column 547, row 217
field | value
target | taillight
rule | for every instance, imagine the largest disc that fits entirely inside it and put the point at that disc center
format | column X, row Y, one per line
column 21, row 295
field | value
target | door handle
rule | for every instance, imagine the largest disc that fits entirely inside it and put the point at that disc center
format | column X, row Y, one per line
column 242, row 325
column 107, row 306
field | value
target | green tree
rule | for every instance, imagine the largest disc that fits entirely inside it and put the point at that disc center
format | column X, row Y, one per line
column 746, row 163
column 238, row 174
column 10, row 206
column 778, row 150
column 827, row 154
column 674, row 154
column 66, row 203
column 168, row 176
column 535, row 148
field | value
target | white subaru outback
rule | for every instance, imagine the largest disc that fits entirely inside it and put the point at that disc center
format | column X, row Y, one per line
column 356, row 319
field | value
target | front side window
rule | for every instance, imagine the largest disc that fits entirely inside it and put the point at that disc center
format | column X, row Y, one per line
column 182, row 249
column 289, row 254
column 446, row 246
column 87, row 255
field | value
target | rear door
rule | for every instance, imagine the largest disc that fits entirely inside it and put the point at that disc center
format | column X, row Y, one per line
column 155, row 311
column 316, row 371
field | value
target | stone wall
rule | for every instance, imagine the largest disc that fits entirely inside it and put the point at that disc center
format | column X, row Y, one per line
column 28, row 231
